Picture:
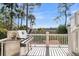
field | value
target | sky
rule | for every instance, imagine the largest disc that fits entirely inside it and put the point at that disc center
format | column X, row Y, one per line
column 44, row 16
column 46, row 13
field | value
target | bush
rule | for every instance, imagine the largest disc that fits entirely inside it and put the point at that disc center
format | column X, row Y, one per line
column 3, row 33
column 40, row 31
column 62, row 29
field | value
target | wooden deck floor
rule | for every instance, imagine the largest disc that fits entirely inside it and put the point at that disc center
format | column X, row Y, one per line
column 54, row 50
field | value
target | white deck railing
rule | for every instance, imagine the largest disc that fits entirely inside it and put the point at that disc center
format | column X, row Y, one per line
column 49, row 39
column 1, row 46
column 57, row 45
column 46, row 39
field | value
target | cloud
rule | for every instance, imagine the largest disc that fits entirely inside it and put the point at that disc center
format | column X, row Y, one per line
column 43, row 15
column 46, row 26
column 74, row 11
column 39, row 15
column 44, row 19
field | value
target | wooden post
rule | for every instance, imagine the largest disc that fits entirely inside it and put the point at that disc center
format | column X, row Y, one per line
column 2, row 49
column 47, row 38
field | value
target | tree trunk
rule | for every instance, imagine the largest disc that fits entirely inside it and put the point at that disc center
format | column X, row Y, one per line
column 21, row 22
column 18, row 23
column 27, row 18
column 31, row 27
column 65, row 18
column 11, row 18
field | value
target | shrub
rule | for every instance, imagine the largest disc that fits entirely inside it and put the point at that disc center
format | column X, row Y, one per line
column 41, row 31
column 3, row 33
column 62, row 29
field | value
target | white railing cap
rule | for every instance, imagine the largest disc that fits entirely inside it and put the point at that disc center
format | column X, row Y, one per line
column 1, row 40
column 47, row 34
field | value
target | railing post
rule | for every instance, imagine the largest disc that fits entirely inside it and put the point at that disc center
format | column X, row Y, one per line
column 1, row 48
column 69, row 38
column 47, row 38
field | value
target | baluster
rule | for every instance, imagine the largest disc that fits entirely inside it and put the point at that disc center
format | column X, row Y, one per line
column 66, row 39
column 63, row 40
column 1, row 48
column 57, row 38
column 41, row 39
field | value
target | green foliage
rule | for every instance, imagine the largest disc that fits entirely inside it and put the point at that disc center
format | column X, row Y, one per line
column 22, row 27
column 40, row 30
column 64, row 11
column 3, row 33
column 62, row 29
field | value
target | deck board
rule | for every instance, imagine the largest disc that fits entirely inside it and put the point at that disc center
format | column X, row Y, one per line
column 53, row 51
column 37, row 51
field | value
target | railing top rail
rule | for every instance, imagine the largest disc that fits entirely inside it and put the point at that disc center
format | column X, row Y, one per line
column 1, row 40
column 49, row 34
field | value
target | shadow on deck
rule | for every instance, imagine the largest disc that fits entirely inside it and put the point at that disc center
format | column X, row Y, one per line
column 51, row 50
